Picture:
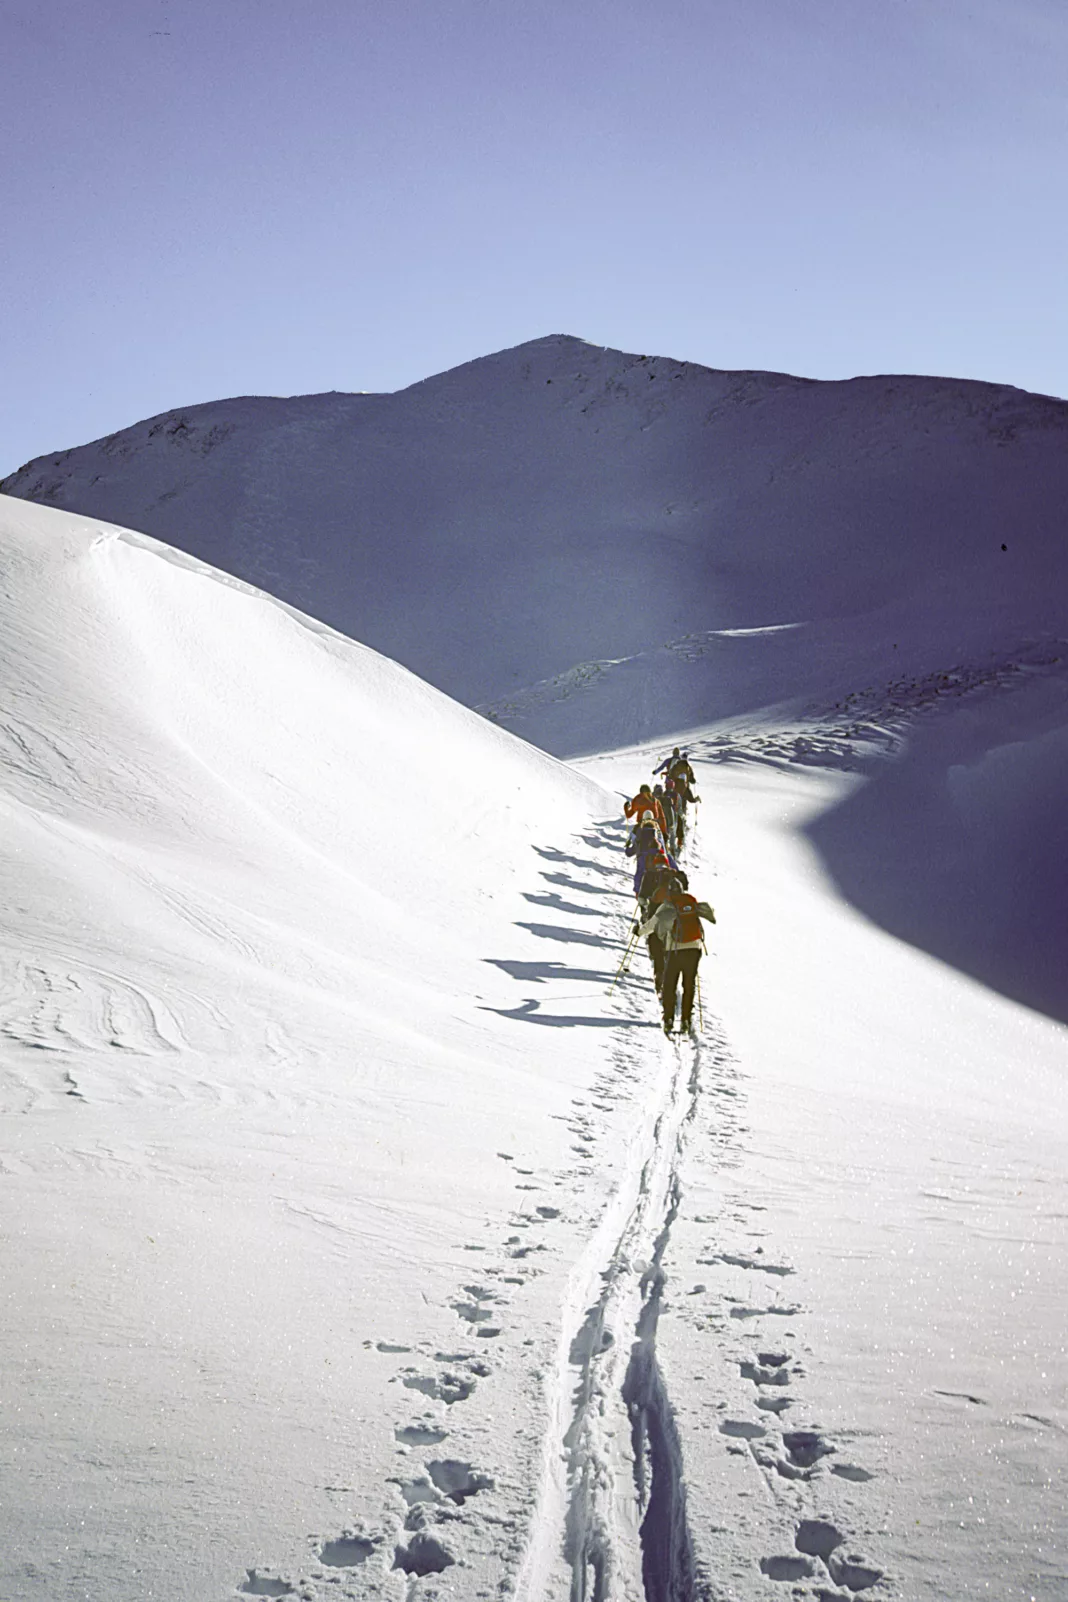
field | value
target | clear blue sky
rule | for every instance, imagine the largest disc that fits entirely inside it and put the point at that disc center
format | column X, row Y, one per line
column 216, row 197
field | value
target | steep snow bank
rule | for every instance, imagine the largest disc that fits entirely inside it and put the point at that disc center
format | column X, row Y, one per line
column 556, row 508
column 257, row 1062
column 960, row 845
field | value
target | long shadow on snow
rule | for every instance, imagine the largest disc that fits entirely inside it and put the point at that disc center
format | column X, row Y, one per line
column 540, row 972
column 528, row 1012
column 556, row 903
column 586, row 889
column 605, row 833
column 552, row 855
column 960, row 846
column 569, row 937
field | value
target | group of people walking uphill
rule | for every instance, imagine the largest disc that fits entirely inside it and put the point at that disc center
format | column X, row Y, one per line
column 669, row 917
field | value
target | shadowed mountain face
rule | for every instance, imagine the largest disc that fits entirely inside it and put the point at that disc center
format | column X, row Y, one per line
column 561, row 507
column 960, row 845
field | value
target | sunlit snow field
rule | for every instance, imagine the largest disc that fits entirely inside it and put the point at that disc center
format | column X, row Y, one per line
column 358, row 1243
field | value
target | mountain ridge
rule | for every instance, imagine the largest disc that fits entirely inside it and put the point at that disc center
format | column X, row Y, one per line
column 560, row 503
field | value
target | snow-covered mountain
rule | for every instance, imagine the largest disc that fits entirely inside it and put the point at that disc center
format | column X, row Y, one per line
column 359, row 1244
column 598, row 547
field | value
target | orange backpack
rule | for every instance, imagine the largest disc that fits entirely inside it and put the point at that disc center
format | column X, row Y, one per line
column 687, row 921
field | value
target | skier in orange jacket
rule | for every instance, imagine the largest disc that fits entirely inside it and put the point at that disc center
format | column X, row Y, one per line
column 645, row 801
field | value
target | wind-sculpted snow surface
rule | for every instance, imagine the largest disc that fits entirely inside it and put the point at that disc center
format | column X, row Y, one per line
column 359, row 1244
column 254, row 1072
column 529, row 520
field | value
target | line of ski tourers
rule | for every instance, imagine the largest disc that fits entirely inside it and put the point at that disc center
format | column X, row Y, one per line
column 669, row 917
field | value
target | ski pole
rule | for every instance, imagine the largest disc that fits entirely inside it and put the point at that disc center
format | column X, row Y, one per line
column 700, row 1008
column 631, row 943
column 621, row 970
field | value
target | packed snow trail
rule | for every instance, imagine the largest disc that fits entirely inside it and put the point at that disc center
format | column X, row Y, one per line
column 587, row 1501
column 612, row 1491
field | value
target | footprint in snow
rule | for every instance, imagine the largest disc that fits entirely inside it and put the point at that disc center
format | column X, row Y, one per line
column 471, row 1313
column 804, row 1448
column 474, row 1364
column 764, row 1374
column 346, row 1551
column 743, row 1429
column 420, row 1498
column 775, row 1404
column 818, row 1538
column 852, row 1571
column 258, row 1584
column 446, row 1479
column 448, row 1388
column 418, row 1434
column 787, row 1568
column 424, row 1554
column 457, row 1480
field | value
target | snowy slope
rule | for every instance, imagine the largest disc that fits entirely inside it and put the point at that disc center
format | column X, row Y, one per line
column 855, row 1343
column 358, row 1244
column 261, row 892
column 563, row 510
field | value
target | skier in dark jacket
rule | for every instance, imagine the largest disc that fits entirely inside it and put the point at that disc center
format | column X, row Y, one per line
column 647, row 844
column 677, row 923
column 657, row 884
column 678, row 794
column 679, row 768
column 670, row 803
column 660, row 869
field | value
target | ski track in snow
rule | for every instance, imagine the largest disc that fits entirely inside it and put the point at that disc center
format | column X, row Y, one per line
column 618, row 1488
column 610, row 1519
column 589, row 1491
